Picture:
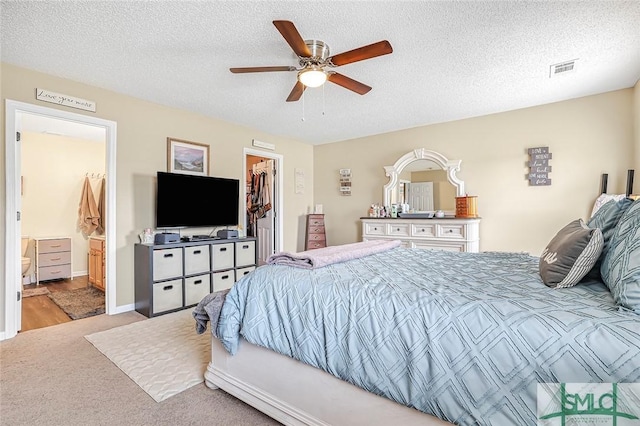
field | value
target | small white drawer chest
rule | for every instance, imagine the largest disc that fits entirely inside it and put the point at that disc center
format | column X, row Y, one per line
column 434, row 234
column 53, row 258
column 170, row 277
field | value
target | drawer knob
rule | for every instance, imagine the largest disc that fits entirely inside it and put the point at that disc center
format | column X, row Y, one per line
column 167, row 287
column 450, row 230
column 375, row 229
column 422, row 230
column 197, row 282
column 398, row 229
column 223, row 249
column 224, row 277
column 245, row 246
column 197, row 252
column 246, row 272
column 168, row 255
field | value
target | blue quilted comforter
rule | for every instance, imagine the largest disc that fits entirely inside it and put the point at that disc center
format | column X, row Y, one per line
column 463, row 336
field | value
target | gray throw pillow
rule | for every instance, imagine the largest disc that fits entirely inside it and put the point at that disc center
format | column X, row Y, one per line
column 621, row 266
column 606, row 219
column 570, row 255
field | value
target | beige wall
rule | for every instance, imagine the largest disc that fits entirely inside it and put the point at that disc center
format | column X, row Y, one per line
column 636, row 133
column 53, row 172
column 587, row 137
column 141, row 151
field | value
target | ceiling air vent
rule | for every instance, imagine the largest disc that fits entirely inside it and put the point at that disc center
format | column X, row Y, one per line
column 566, row 67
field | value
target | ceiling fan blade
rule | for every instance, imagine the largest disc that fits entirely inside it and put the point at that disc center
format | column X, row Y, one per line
column 349, row 83
column 292, row 36
column 296, row 92
column 261, row 69
column 360, row 54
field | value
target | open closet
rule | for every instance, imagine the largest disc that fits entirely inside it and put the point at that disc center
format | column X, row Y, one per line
column 260, row 196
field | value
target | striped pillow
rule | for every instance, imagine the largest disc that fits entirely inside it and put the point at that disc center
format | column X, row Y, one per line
column 621, row 266
column 570, row 255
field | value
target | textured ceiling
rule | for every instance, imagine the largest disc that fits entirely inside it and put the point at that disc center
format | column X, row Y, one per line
column 451, row 60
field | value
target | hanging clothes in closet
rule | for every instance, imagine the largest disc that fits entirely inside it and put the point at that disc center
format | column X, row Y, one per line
column 259, row 197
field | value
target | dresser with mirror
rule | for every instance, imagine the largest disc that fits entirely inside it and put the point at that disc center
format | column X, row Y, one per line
column 426, row 181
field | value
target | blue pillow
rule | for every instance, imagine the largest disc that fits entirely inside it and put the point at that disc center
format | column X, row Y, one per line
column 621, row 266
column 606, row 219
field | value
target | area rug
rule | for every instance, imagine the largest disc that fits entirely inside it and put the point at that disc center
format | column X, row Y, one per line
column 80, row 302
column 36, row 291
column 163, row 355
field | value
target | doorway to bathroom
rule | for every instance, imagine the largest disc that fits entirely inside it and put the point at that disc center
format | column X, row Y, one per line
column 59, row 159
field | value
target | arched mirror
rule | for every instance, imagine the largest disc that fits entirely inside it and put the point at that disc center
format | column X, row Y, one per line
column 426, row 180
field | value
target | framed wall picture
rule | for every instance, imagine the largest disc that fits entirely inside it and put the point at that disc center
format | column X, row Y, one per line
column 186, row 157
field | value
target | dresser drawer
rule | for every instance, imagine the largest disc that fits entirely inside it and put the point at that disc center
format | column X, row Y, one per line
column 167, row 295
column 420, row 230
column 223, row 280
column 167, row 263
column 196, row 288
column 50, row 259
column 196, row 259
column 222, row 256
column 316, row 237
column 374, row 228
column 311, row 245
column 453, row 231
column 243, row 271
column 245, row 253
column 55, row 245
column 316, row 230
column 438, row 245
column 54, row 272
column 315, row 220
column 398, row 230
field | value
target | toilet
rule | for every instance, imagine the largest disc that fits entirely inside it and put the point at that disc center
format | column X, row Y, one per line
column 26, row 261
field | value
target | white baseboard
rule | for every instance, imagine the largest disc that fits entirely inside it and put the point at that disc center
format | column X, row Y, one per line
column 79, row 273
column 123, row 308
column 2, row 334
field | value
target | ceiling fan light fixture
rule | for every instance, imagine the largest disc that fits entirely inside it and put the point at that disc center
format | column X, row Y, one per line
column 312, row 76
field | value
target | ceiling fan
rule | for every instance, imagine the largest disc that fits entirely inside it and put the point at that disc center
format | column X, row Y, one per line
column 315, row 63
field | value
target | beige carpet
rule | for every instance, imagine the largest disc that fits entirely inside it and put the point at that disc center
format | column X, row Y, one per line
column 54, row 376
column 163, row 355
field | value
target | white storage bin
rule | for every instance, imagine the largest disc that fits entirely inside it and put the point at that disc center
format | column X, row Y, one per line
column 167, row 295
column 196, row 259
column 196, row 288
column 245, row 253
column 243, row 271
column 222, row 256
column 167, row 263
column 223, row 280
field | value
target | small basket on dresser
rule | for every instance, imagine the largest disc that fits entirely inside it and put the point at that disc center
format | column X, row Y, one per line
column 467, row 206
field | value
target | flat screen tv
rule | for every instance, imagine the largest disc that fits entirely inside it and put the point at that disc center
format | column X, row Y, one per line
column 196, row 201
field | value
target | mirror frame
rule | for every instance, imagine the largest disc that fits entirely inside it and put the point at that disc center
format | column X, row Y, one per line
column 450, row 166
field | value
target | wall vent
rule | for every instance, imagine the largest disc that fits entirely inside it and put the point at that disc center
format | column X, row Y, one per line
column 566, row 67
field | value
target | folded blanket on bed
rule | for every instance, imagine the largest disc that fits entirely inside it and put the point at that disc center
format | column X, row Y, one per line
column 312, row 259
column 209, row 310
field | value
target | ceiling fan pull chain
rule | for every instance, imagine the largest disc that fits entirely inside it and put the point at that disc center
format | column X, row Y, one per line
column 302, row 106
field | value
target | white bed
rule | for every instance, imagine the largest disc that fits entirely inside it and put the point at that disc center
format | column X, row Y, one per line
column 297, row 394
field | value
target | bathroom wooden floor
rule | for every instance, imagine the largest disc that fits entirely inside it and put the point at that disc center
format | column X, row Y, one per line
column 40, row 311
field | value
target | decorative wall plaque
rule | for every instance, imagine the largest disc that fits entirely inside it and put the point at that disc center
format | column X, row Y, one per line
column 539, row 167
column 345, row 181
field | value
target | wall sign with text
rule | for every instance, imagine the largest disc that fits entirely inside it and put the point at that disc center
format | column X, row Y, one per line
column 539, row 167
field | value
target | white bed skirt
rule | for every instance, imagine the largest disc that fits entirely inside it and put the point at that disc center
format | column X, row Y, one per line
column 295, row 393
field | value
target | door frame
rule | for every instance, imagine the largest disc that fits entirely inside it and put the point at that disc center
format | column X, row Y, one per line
column 278, row 164
column 13, row 281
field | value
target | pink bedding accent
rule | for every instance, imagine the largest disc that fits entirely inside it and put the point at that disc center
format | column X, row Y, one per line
column 312, row 259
